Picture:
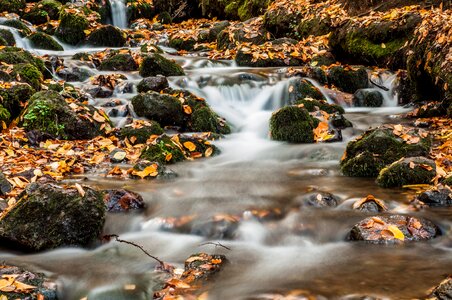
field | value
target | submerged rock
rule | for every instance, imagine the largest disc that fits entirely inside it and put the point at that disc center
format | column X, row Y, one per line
column 155, row 64
column 122, row 200
column 370, row 204
column 74, row 74
column 368, row 98
column 412, row 170
column 437, row 197
column 393, row 229
column 319, row 199
column 379, row 147
column 47, row 216
column 155, row 83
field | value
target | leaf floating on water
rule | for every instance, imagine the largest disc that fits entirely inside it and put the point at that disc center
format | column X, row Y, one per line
column 396, row 232
column 190, row 146
column 148, row 171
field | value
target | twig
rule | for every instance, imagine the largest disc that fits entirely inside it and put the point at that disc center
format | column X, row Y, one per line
column 108, row 237
column 378, row 85
column 217, row 244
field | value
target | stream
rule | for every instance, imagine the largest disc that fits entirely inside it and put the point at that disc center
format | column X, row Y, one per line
column 298, row 248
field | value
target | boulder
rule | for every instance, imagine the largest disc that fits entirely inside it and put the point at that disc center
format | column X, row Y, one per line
column 18, row 24
column 443, row 291
column 437, row 197
column 348, row 79
column 412, row 170
column 155, row 83
column 393, row 229
column 122, row 200
column 12, row 6
column 141, row 134
column 13, row 55
column 155, row 64
column 204, row 119
column 293, row 124
column 7, row 37
column 119, row 62
column 15, row 97
column 49, row 113
column 30, row 74
column 318, row 200
column 74, row 74
column 379, row 147
column 368, row 98
column 300, row 88
column 72, row 27
column 44, row 41
column 107, row 36
column 47, row 216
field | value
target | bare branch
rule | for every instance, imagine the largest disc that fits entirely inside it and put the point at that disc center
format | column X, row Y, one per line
column 217, row 244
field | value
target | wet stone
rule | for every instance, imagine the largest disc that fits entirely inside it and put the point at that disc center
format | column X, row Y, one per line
column 440, row 197
column 155, row 83
column 99, row 92
column 5, row 186
column 393, row 229
column 74, row 74
column 443, row 291
column 370, row 204
column 319, row 199
column 122, row 200
column 196, row 264
column 219, row 227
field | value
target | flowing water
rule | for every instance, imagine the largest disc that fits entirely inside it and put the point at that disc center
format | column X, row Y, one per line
column 119, row 13
column 300, row 248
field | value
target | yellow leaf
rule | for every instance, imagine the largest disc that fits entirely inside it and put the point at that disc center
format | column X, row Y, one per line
column 187, row 109
column 383, row 45
column 22, row 287
column 208, row 152
column 3, row 297
column 87, row 32
column 168, row 157
column 120, row 155
column 148, row 171
column 190, row 146
column 396, row 232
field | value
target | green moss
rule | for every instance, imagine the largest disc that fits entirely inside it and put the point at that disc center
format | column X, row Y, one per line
column 15, row 98
column 30, row 74
column 315, row 26
column 155, row 64
column 13, row 55
column 52, row 7
column 165, row 18
column 160, row 150
column 37, row 16
column 302, row 88
column 107, row 36
column 3, row 42
column 313, row 105
column 119, row 62
column 16, row 23
column 415, row 170
column 8, row 37
column 180, row 44
column 71, row 28
column 205, row 120
column 292, row 124
column 139, row 9
column 141, row 134
column 370, row 51
column 12, row 6
column 42, row 40
column 348, row 80
column 41, row 115
column 5, row 116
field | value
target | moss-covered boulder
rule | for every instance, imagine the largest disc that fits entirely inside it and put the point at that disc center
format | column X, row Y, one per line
column 204, row 119
column 162, row 108
column 183, row 44
column 36, row 16
column 41, row 40
column 313, row 105
column 251, row 31
column 313, row 26
column 377, row 43
column 13, row 55
column 300, row 88
column 107, row 36
column 139, row 9
column 368, row 98
column 49, row 113
column 30, row 74
column 12, row 6
column 293, row 124
column 18, row 24
column 7, row 37
column 412, row 170
column 379, row 147
column 119, row 62
column 72, row 27
column 348, row 79
column 140, row 135
column 155, row 83
column 234, row 9
column 47, row 216
column 14, row 99
column 155, row 64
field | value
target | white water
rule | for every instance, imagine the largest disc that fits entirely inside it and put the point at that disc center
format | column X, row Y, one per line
column 119, row 13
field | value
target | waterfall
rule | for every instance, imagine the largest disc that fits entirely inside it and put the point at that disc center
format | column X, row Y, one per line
column 20, row 41
column 119, row 13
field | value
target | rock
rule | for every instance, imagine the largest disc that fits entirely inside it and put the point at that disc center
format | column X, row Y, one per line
column 119, row 62
column 12, row 6
column 14, row 97
column 216, row 228
column 448, row 181
column 145, row 169
column 313, row 105
column 293, row 124
column 379, row 147
column 122, row 200
column 368, row 98
column 43, row 287
column 107, row 36
column 74, row 74
column 393, row 229
column 72, row 27
column 438, row 197
column 18, row 24
column 44, row 41
column 300, row 88
column 319, row 199
column 412, row 170
column 30, row 74
column 141, row 134
column 162, row 108
column 139, row 9
column 370, row 204
column 5, row 186
column 155, row 64
column 204, row 119
column 443, row 291
column 13, row 55
column 240, row 33
column 195, row 266
column 348, row 79
column 8, row 37
column 49, row 113
column 98, row 91
column 47, row 216
column 155, row 83
column 183, row 44
column 316, row 26
column 117, row 155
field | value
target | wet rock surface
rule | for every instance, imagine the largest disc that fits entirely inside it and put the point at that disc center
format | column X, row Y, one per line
column 122, row 200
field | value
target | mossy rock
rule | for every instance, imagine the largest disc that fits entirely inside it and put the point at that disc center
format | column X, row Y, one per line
column 5, row 116
column 164, row 18
column 42, row 40
column 379, row 147
column 141, row 134
column 13, row 55
column 246, row 59
column 12, row 6
column 164, row 151
column 52, row 7
column 30, row 74
column 162, row 108
column 447, row 181
column 14, row 99
column 313, row 26
column 107, row 36
column 18, row 24
column 314, row 105
column 8, row 37
column 155, row 64
column 413, row 170
column 292, row 124
column 181, row 44
column 37, row 16
column 139, row 9
column 368, row 98
column 119, row 62
column 251, row 8
column 48, row 112
column 150, row 48
column 47, row 216
column 300, row 88
column 72, row 27
column 348, row 80
column 3, row 42
column 282, row 23
column 155, row 83
column 204, row 119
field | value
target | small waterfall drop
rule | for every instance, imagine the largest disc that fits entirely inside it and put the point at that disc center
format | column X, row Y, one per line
column 21, row 42
column 119, row 13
